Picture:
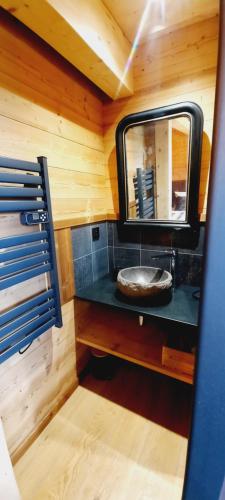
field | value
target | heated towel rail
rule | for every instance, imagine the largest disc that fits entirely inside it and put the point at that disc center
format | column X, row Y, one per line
column 24, row 188
column 144, row 193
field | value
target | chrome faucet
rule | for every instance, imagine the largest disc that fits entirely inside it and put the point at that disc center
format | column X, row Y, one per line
column 173, row 254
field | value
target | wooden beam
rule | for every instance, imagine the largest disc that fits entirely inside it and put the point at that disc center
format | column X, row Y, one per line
column 84, row 33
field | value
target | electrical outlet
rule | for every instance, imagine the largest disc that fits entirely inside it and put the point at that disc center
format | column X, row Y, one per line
column 95, row 233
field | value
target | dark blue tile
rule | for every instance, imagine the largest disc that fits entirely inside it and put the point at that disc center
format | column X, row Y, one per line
column 148, row 260
column 111, row 259
column 126, row 237
column 156, row 239
column 110, row 233
column 103, row 237
column 189, row 241
column 81, row 241
column 189, row 269
column 126, row 257
column 83, row 272
column 100, row 263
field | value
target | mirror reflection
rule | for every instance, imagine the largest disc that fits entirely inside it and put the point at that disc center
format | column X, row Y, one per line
column 157, row 163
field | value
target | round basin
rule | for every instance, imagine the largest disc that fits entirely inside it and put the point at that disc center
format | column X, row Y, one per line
column 143, row 281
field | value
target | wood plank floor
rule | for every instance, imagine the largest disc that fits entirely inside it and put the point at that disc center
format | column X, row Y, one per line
column 123, row 439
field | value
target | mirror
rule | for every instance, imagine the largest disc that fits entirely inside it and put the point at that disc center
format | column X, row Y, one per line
column 158, row 155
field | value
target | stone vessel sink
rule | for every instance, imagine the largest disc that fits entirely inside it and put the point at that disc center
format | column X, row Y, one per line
column 143, row 281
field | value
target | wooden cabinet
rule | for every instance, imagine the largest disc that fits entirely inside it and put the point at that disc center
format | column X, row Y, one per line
column 118, row 333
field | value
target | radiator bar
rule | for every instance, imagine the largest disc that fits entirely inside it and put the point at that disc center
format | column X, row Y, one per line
column 27, row 340
column 7, row 316
column 25, row 330
column 22, row 192
column 24, row 318
column 23, row 264
column 20, row 178
column 20, row 206
column 11, row 241
column 22, row 252
column 19, row 164
column 26, row 275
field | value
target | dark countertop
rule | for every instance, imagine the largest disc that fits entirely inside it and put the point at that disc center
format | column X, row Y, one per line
column 182, row 308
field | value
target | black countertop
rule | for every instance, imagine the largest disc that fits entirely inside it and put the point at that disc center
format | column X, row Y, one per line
column 182, row 308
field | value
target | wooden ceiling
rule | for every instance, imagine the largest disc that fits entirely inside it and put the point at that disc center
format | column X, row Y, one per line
column 97, row 36
column 158, row 16
column 86, row 34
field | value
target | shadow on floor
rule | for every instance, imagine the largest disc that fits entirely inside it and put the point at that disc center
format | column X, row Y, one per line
column 163, row 400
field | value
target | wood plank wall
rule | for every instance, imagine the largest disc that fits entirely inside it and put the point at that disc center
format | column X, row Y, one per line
column 180, row 143
column 46, row 108
column 176, row 67
column 33, row 386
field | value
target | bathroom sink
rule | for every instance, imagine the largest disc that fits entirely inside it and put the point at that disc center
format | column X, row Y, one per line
column 143, row 281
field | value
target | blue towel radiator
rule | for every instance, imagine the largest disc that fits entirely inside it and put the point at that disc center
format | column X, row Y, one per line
column 144, row 193
column 24, row 188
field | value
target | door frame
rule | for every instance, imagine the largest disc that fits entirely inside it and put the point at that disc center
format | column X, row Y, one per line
column 205, row 467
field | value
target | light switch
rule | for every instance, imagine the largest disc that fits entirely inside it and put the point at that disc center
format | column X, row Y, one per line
column 95, row 233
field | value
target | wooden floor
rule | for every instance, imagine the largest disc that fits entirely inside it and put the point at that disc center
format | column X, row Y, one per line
column 123, row 439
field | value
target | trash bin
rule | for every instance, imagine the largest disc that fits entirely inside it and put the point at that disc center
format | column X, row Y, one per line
column 102, row 366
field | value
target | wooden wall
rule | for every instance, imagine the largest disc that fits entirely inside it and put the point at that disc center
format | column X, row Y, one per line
column 135, row 158
column 46, row 108
column 34, row 385
column 176, row 67
column 180, row 145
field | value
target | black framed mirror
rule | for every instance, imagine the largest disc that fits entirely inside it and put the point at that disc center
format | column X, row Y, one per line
column 158, row 160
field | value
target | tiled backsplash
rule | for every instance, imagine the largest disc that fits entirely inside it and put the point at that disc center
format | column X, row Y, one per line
column 128, row 247
column 91, row 260
column 123, row 247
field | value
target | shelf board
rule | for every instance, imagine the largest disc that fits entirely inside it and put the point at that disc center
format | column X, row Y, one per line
column 118, row 333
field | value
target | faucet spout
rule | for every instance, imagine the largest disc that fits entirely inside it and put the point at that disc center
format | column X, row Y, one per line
column 173, row 255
